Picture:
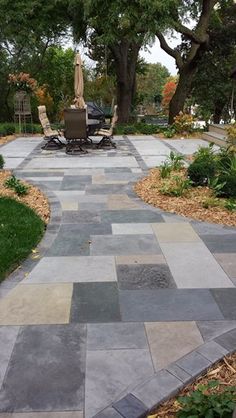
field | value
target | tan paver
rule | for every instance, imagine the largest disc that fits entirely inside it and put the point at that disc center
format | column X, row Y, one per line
column 37, row 304
column 169, row 341
column 141, row 259
column 121, row 201
column 175, row 232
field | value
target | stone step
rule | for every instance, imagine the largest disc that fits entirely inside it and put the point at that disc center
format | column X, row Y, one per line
column 218, row 139
column 219, row 129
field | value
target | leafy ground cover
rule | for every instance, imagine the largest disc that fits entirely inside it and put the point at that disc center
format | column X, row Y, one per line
column 210, row 396
column 20, row 230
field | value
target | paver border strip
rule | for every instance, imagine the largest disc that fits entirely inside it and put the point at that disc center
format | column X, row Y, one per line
column 168, row 382
column 43, row 246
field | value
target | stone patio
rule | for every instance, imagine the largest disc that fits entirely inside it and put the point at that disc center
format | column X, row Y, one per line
column 125, row 304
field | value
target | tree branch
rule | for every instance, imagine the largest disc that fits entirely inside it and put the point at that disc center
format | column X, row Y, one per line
column 172, row 52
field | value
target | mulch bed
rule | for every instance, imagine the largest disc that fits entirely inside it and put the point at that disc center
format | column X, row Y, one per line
column 224, row 372
column 35, row 199
column 189, row 205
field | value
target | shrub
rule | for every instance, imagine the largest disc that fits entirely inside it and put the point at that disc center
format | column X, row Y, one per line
column 204, row 166
column 206, row 401
column 226, row 180
column 169, row 132
column 200, row 172
column 230, row 205
column 7, row 129
column 13, row 183
column 2, row 162
column 183, row 123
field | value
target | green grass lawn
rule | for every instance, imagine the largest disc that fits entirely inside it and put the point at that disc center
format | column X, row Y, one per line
column 20, row 231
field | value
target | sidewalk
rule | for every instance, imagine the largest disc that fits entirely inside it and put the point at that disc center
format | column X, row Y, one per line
column 121, row 289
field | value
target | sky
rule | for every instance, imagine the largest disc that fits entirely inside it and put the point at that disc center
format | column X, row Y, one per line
column 156, row 54
column 153, row 54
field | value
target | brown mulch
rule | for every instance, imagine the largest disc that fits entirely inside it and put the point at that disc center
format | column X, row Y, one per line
column 224, row 372
column 189, row 205
column 6, row 139
column 35, row 199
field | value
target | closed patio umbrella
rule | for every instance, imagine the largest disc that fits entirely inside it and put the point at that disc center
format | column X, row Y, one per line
column 78, row 83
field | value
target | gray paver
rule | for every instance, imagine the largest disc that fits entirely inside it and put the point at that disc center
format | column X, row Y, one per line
column 168, row 305
column 82, row 216
column 95, row 302
column 108, row 413
column 144, row 276
column 179, row 373
column 73, row 269
column 212, row 351
column 116, row 336
column 111, row 372
column 56, row 355
column 123, row 216
column 193, row 266
column 193, row 363
column 7, row 340
column 124, row 244
column 160, row 386
column 226, row 300
column 131, row 228
column 131, row 407
column 212, row 329
column 220, row 243
column 227, row 340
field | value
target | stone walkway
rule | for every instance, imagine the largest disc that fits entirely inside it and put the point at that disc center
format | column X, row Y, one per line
column 121, row 289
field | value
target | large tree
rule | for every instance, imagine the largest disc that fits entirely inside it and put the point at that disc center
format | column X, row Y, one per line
column 194, row 43
column 212, row 86
column 121, row 28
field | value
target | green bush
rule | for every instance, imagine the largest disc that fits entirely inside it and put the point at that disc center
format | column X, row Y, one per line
column 204, row 166
column 2, row 162
column 169, row 132
column 206, row 402
column 201, row 171
column 136, row 128
column 13, row 183
column 226, row 183
column 7, row 129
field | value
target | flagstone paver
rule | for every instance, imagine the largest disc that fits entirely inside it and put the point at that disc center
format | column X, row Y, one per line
column 118, row 291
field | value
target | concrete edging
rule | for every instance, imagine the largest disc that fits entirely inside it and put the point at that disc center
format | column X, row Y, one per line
column 167, row 382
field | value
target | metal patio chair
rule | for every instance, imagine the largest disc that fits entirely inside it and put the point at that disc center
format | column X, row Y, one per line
column 107, row 132
column 75, row 130
column 50, row 135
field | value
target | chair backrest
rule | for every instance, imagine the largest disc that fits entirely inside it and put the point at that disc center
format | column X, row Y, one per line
column 47, row 130
column 114, row 117
column 75, row 124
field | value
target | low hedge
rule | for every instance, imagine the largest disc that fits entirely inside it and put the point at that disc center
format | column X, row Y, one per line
column 10, row 128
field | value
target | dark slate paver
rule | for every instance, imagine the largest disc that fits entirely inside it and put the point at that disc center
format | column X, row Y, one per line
column 212, row 329
column 144, row 276
column 131, row 407
column 74, row 239
column 168, row 305
column 226, row 300
column 124, row 245
column 128, row 216
column 193, row 363
column 95, row 302
column 46, row 370
column 82, row 216
column 222, row 243
column 228, row 340
column 75, row 182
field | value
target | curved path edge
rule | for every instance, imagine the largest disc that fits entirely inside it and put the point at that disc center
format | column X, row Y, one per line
column 168, row 382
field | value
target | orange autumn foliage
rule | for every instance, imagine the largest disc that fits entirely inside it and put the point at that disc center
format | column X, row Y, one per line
column 168, row 93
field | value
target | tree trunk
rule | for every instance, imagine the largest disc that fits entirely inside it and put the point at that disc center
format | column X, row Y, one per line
column 126, row 56
column 218, row 112
column 182, row 91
